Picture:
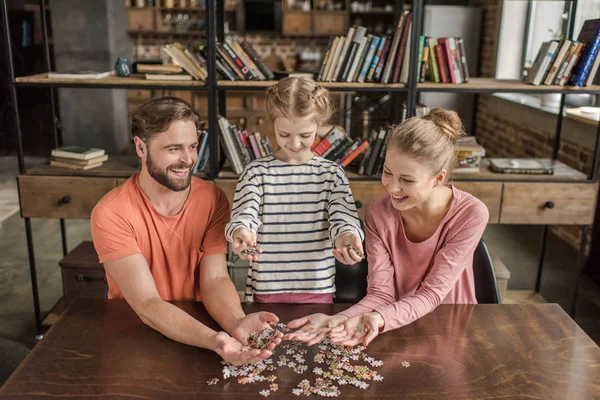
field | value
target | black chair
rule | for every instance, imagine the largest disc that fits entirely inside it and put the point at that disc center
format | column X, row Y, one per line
column 351, row 280
column 486, row 288
column 12, row 353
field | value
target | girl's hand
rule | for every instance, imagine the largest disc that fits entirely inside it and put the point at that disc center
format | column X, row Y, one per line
column 360, row 329
column 243, row 238
column 313, row 328
column 347, row 255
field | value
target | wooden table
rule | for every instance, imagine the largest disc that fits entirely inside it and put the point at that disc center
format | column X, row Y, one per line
column 101, row 349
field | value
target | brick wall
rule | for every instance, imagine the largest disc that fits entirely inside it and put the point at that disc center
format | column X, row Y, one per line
column 504, row 131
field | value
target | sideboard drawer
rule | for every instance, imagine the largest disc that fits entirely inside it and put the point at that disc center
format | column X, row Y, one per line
column 490, row 193
column 548, row 203
column 61, row 196
column 364, row 193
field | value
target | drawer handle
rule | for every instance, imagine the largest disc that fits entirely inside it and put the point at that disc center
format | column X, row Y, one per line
column 549, row 205
column 81, row 278
column 358, row 204
column 65, row 199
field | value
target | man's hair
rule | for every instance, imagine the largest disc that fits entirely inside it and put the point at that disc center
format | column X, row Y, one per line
column 157, row 115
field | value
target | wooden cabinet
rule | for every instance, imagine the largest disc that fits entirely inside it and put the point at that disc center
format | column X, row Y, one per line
column 61, row 196
column 490, row 193
column 141, row 19
column 330, row 23
column 548, row 203
column 297, row 23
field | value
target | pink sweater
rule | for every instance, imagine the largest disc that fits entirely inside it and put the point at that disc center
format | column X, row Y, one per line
column 408, row 280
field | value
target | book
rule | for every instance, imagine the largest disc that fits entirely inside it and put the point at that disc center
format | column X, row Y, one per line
column 345, row 162
column 69, row 165
column 460, row 44
column 368, row 61
column 354, row 51
column 159, row 68
column 168, row 77
column 253, row 55
column 178, row 57
column 403, row 50
column 359, row 59
column 382, row 59
column 325, row 58
column 375, row 61
column 541, row 166
column 79, row 74
column 542, row 62
column 572, row 63
column 407, row 54
column 335, row 59
column 387, row 70
column 561, row 55
column 77, row 152
column 73, row 161
column 330, row 58
column 343, row 54
column 434, row 72
column 590, row 35
column 442, row 63
column 248, row 61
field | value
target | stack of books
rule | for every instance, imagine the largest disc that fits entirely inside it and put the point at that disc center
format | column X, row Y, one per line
column 77, row 157
column 362, row 57
column 202, row 160
column 336, row 146
column 242, row 147
column 374, row 157
column 468, row 155
column 572, row 62
column 535, row 166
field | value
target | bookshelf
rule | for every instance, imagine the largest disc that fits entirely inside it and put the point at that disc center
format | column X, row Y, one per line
column 567, row 197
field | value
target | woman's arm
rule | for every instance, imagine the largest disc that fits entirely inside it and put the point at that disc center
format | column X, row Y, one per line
column 448, row 265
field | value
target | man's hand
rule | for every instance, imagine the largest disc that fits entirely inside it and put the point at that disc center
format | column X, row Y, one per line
column 360, row 329
column 313, row 328
column 256, row 322
column 243, row 238
column 231, row 350
column 345, row 255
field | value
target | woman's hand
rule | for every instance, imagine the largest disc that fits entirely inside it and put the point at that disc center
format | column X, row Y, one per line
column 362, row 328
column 313, row 328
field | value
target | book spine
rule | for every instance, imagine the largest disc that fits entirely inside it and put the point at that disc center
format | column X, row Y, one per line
column 221, row 51
column 420, row 57
column 243, row 68
column 424, row 64
column 592, row 74
column 368, row 61
column 439, row 52
column 434, row 74
column 560, row 58
column 247, row 60
column 345, row 162
column 325, row 58
column 336, row 57
column 256, row 58
column 375, row 60
column 586, row 62
column 255, row 147
column 565, row 63
column 402, row 48
column 357, row 59
column 463, row 59
column 572, row 63
column 545, row 64
column 358, row 67
column 343, row 54
column 385, row 76
column 382, row 59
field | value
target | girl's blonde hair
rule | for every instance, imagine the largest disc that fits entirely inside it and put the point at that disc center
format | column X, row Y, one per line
column 299, row 98
column 430, row 138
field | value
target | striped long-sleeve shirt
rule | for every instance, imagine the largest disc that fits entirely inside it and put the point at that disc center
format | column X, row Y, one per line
column 297, row 213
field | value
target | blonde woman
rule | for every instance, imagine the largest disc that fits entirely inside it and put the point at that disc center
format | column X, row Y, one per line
column 421, row 236
column 294, row 207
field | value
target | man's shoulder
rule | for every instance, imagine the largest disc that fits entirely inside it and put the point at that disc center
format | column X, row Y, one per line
column 119, row 199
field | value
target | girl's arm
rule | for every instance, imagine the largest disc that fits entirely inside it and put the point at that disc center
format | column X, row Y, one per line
column 246, row 203
column 342, row 210
column 448, row 265
column 381, row 290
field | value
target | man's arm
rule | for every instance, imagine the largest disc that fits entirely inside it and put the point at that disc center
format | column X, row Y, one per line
column 218, row 292
column 133, row 277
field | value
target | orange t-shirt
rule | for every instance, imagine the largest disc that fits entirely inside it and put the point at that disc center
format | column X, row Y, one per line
column 124, row 223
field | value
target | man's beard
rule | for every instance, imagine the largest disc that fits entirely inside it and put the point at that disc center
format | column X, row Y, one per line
column 162, row 177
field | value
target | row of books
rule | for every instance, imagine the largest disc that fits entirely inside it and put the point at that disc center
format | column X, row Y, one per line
column 77, row 157
column 442, row 60
column 235, row 60
column 572, row 62
column 242, row 147
column 362, row 57
column 468, row 155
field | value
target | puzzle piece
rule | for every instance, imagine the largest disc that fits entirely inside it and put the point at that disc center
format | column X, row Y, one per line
column 354, row 249
column 250, row 251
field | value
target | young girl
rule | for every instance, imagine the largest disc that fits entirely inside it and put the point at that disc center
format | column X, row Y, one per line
column 294, row 209
column 421, row 237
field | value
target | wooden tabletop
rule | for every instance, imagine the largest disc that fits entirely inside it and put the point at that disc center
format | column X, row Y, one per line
column 100, row 349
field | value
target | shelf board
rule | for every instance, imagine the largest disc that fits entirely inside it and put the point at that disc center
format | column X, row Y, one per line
column 113, row 82
column 562, row 173
column 375, row 11
column 341, row 86
column 167, row 33
column 117, row 166
column 491, row 85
